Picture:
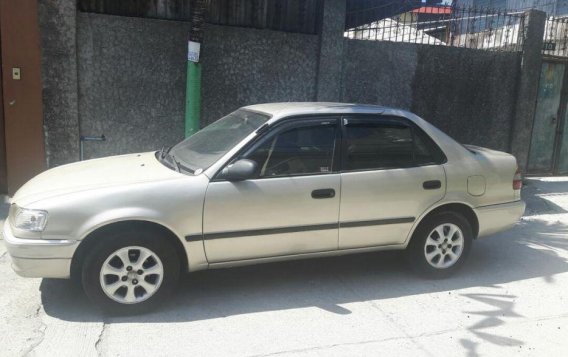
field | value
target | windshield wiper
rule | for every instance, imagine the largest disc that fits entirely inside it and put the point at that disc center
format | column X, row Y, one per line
column 164, row 153
column 185, row 168
column 176, row 163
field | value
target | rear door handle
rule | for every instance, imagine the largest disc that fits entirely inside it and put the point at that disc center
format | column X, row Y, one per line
column 432, row 185
column 323, row 193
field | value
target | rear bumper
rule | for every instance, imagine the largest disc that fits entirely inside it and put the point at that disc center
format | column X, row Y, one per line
column 39, row 258
column 497, row 218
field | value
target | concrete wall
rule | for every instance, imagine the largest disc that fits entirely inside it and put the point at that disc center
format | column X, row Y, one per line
column 244, row 66
column 469, row 94
column 132, row 77
column 131, row 82
column 379, row 73
column 527, row 91
column 125, row 78
column 331, row 51
column 57, row 20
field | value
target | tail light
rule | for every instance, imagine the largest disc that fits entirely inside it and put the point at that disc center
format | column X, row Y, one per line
column 517, row 180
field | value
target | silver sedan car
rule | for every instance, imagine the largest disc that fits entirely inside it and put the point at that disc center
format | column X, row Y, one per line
column 266, row 183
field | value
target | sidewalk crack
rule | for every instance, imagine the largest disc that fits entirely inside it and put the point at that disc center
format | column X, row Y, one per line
column 40, row 330
column 98, row 346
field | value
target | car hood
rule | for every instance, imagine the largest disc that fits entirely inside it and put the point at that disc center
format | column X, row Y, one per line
column 94, row 174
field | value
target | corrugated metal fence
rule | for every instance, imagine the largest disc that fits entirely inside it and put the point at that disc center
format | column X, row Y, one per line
column 284, row 15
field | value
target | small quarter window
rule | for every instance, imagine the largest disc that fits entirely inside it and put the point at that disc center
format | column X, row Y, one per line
column 426, row 152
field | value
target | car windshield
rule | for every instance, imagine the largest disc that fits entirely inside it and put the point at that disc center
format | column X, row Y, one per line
column 208, row 145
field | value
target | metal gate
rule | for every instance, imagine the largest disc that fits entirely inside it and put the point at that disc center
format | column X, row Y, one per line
column 548, row 139
column 548, row 152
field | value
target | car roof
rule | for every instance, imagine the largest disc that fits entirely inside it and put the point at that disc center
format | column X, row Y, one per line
column 280, row 110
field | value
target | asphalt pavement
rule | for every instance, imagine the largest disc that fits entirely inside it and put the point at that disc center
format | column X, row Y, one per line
column 510, row 298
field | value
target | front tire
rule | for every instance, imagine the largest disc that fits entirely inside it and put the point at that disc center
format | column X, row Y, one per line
column 440, row 245
column 130, row 272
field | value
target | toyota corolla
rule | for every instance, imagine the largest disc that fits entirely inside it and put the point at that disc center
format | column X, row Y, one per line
column 266, row 183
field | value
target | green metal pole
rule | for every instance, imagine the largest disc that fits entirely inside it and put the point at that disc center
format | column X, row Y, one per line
column 193, row 81
column 192, row 98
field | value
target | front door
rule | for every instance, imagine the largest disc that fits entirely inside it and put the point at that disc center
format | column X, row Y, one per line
column 291, row 207
column 392, row 172
column 547, row 118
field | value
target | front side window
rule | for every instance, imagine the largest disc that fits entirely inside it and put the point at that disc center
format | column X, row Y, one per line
column 302, row 150
column 208, row 145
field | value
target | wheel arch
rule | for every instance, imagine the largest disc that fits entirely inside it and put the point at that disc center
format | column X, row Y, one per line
column 93, row 237
column 459, row 207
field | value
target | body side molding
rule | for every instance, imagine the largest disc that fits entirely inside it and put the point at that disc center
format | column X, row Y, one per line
column 293, row 229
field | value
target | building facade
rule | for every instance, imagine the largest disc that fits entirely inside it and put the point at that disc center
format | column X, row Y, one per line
column 75, row 72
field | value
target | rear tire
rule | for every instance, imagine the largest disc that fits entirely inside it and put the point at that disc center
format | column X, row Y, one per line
column 130, row 272
column 440, row 245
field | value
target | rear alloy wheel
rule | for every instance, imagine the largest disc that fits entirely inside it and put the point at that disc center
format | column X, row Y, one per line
column 444, row 246
column 440, row 245
column 130, row 271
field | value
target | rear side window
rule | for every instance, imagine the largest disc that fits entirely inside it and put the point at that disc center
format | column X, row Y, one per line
column 371, row 146
column 387, row 145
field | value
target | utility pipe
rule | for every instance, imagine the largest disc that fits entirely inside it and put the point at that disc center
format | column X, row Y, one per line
column 193, row 81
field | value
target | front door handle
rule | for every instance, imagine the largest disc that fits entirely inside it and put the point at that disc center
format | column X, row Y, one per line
column 323, row 193
column 432, row 185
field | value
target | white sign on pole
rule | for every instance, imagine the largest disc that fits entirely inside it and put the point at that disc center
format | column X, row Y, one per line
column 193, row 49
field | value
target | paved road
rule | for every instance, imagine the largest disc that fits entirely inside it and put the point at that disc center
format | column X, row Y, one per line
column 511, row 298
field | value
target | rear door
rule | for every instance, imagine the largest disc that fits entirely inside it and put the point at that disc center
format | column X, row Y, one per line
column 391, row 173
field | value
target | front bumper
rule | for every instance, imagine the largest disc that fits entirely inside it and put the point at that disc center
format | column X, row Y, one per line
column 39, row 258
column 500, row 217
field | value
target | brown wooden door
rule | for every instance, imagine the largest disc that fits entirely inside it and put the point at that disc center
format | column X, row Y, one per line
column 3, row 176
column 22, row 98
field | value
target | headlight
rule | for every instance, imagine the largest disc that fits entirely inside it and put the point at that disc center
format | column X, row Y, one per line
column 29, row 219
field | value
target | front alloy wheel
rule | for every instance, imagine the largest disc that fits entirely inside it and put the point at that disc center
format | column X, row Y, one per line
column 130, row 271
column 131, row 275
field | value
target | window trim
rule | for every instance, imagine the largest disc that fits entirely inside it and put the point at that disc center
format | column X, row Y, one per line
column 378, row 119
column 285, row 124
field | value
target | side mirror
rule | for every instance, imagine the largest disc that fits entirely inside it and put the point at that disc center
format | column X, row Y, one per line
column 240, row 170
